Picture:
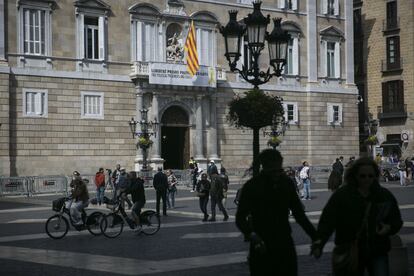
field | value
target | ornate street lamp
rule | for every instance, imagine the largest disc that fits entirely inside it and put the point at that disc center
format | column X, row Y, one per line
column 148, row 129
column 255, row 25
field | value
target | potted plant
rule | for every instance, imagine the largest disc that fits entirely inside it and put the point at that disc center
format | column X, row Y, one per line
column 144, row 142
column 274, row 141
column 371, row 140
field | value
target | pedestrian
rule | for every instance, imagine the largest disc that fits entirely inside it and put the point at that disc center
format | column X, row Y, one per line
column 305, row 177
column 212, row 168
column 263, row 217
column 194, row 172
column 335, row 178
column 116, row 173
column 100, row 186
column 137, row 191
column 225, row 180
column 402, row 171
column 172, row 189
column 369, row 215
column 408, row 177
column 350, row 162
column 160, row 184
column 121, row 187
column 203, row 192
column 216, row 196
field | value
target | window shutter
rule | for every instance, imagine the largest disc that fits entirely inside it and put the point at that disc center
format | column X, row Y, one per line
column 38, row 103
column 199, row 41
column 285, row 113
column 401, row 93
column 336, row 7
column 324, row 53
column 151, row 40
column 330, row 113
column 295, row 58
column 337, row 60
column 397, row 51
column 294, row 5
column 325, row 6
column 384, row 96
column 340, row 113
column 101, row 37
column 81, row 30
column 282, row 4
column 26, row 31
column 29, row 103
column 296, row 113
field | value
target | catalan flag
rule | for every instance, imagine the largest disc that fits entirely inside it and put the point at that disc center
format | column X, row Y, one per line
column 191, row 50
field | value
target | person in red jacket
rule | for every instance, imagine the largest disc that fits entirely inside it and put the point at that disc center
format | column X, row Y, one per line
column 100, row 185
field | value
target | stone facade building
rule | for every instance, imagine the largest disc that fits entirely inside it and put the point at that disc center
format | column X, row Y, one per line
column 384, row 67
column 73, row 73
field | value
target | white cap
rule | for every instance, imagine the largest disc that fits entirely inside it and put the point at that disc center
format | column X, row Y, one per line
column 211, row 161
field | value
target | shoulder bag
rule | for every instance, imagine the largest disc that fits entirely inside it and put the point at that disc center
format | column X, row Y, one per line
column 345, row 256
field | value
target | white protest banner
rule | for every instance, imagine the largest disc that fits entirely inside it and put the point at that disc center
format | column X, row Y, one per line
column 177, row 74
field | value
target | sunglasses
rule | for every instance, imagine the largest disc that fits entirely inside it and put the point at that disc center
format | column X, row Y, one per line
column 366, row 175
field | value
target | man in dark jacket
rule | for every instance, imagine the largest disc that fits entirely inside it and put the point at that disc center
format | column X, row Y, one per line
column 335, row 178
column 137, row 191
column 267, row 199
column 160, row 184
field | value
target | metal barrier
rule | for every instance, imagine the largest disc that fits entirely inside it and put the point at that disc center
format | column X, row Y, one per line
column 57, row 184
column 13, row 186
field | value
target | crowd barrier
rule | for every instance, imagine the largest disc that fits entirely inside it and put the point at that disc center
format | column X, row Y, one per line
column 10, row 186
column 57, row 184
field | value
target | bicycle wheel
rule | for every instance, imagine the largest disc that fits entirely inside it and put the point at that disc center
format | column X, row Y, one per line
column 93, row 223
column 57, row 227
column 150, row 222
column 111, row 225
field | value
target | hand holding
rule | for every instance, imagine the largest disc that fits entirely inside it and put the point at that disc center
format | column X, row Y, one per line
column 316, row 249
column 383, row 229
column 257, row 243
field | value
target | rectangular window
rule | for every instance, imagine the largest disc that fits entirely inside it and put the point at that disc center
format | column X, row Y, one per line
column 334, row 111
column 91, row 38
column 35, row 102
column 34, row 32
column 204, row 46
column 331, row 7
column 92, row 104
column 146, row 40
column 393, row 96
column 393, row 52
column 289, row 59
column 330, row 59
column 392, row 15
column 291, row 112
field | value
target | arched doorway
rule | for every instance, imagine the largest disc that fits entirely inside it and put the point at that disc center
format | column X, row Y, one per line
column 175, row 138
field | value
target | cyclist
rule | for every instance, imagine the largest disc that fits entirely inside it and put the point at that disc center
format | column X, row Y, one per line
column 136, row 189
column 80, row 200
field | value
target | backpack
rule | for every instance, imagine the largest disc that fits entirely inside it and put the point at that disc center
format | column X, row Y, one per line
column 304, row 173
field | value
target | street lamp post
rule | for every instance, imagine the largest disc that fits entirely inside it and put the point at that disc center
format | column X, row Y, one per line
column 254, row 27
column 148, row 129
column 371, row 127
column 255, row 24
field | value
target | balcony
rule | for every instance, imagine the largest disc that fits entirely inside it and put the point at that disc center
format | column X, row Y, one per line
column 390, row 25
column 392, row 112
column 394, row 67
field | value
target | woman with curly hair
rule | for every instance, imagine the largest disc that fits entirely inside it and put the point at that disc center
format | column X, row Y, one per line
column 363, row 216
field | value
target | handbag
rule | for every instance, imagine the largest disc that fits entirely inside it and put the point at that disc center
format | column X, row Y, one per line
column 345, row 256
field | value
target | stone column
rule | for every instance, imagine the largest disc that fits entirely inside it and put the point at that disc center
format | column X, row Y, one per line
column 2, row 32
column 213, row 129
column 155, row 115
column 139, row 106
column 312, row 39
column 349, row 42
column 199, row 129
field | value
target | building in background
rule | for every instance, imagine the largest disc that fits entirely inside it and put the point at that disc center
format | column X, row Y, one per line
column 384, row 70
column 73, row 73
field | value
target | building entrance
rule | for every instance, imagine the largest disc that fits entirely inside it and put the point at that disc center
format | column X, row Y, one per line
column 175, row 144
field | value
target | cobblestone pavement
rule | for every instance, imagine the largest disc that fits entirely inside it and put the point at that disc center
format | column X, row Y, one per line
column 183, row 246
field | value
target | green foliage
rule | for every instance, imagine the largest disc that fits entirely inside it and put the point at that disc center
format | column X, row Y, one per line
column 274, row 141
column 144, row 142
column 255, row 110
column 371, row 140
